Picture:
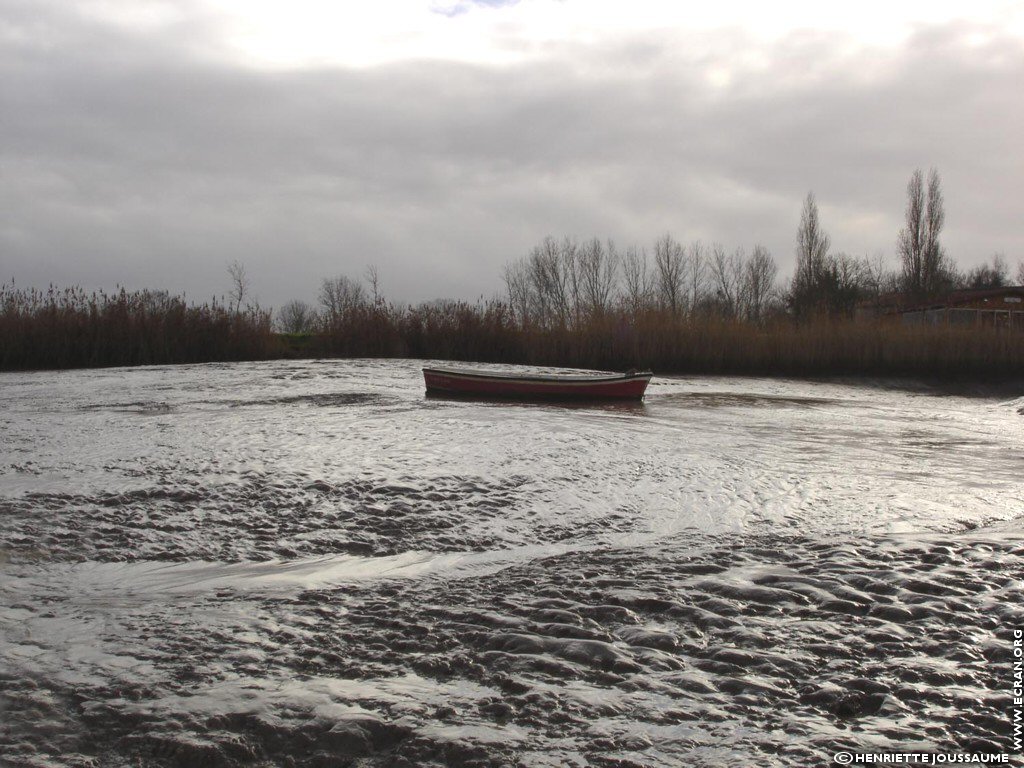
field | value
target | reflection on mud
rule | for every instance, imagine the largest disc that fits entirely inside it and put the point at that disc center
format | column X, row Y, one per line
column 309, row 563
column 736, row 400
column 630, row 407
column 142, row 408
column 326, row 400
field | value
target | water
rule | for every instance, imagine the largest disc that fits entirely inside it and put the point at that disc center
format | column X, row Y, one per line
column 304, row 563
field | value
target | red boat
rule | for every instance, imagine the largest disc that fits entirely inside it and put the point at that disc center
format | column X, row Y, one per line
column 474, row 383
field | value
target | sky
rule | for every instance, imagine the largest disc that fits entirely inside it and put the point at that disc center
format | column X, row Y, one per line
column 150, row 143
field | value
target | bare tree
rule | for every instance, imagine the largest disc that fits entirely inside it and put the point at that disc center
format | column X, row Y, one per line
column 759, row 282
column 547, row 285
column 727, row 279
column 843, row 283
column 566, row 282
column 910, row 242
column 552, row 276
column 877, row 278
column 373, row 278
column 924, row 268
column 239, row 284
column 597, row 273
column 1001, row 268
column 339, row 296
column 812, row 245
column 636, row 279
column 696, row 274
column 296, row 317
column 1020, row 272
column 517, row 283
column 935, row 269
column 985, row 276
column 539, row 266
column 670, row 264
column 569, row 259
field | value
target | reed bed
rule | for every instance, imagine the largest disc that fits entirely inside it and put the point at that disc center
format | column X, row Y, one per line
column 69, row 328
column 667, row 343
column 781, row 348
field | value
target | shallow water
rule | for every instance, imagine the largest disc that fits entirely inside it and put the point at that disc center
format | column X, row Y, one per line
column 309, row 562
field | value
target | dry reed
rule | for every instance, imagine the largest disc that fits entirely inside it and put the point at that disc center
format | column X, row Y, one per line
column 667, row 343
column 69, row 328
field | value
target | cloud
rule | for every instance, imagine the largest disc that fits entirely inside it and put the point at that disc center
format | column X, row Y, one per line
column 130, row 156
column 455, row 8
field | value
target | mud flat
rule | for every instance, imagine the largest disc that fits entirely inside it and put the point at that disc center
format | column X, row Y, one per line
column 309, row 564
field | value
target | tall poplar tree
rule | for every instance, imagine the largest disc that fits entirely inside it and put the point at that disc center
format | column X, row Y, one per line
column 923, row 261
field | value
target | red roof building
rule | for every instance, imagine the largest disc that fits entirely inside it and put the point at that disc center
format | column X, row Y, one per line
column 985, row 307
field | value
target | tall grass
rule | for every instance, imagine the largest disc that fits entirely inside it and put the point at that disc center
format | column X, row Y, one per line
column 668, row 343
column 823, row 348
column 450, row 330
column 67, row 328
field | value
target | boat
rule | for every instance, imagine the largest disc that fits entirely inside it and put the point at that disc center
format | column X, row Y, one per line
column 476, row 383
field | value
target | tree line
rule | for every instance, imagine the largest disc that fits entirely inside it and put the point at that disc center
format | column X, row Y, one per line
column 565, row 282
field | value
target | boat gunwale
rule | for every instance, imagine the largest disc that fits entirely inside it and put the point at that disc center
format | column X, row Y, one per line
column 563, row 379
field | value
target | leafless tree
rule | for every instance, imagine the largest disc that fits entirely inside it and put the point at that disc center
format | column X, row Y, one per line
column 812, row 244
column 597, row 268
column 562, row 282
column 759, row 282
column 727, row 279
column 339, row 296
column 696, row 274
column 995, row 275
column 1020, row 272
column 570, row 254
column 636, row 280
column 910, row 242
column 935, row 216
column 924, row 267
column 1000, row 267
column 239, row 284
column 670, row 268
column 552, row 271
column 877, row 278
column 844, row 285
column 517, row 283
column 296, row 317
column 373, row 279
column 546, row 286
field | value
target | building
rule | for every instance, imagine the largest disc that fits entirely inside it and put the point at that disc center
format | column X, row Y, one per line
column 987, row 308
column 978, row 308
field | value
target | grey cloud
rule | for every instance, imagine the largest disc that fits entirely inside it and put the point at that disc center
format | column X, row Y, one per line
column 135, row 160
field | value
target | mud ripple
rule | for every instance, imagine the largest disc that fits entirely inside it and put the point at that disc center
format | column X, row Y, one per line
column 773, row 652
column 258, row 516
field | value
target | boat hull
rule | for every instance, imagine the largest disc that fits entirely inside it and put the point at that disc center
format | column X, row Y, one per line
column 467, row 383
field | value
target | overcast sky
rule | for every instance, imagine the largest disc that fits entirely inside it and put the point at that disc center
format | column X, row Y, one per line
column 149, row 143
